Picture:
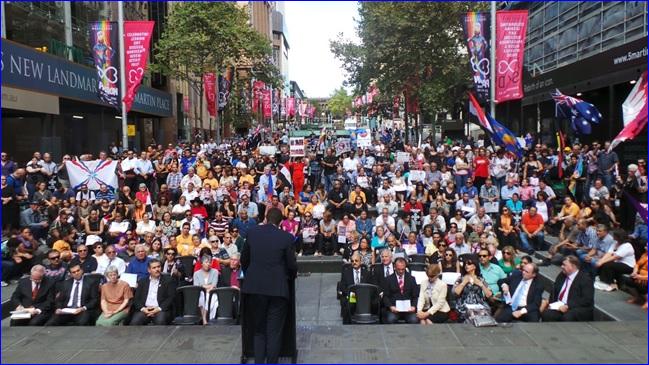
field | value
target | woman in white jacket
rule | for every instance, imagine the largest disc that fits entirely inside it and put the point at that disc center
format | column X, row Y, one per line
column 431, row 305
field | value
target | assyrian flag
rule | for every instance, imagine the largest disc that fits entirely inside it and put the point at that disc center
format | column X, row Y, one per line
column 475, row 109
column 634, row 112
column 92, row 173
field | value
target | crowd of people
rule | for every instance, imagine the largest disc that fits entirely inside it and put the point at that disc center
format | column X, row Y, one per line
column 463, row 207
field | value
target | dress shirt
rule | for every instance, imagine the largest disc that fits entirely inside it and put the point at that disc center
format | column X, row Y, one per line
column 143, row 167
column 152, row 296
column 523, row 288
column 71, row 303
column 566, row 286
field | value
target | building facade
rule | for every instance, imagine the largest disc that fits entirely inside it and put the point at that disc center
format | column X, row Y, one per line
column 591, row 50
column 49, row 84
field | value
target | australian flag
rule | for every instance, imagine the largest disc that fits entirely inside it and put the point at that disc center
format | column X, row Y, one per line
column 580, row 113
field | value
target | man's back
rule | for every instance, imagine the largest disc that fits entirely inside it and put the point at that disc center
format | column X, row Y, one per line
column 268, row 261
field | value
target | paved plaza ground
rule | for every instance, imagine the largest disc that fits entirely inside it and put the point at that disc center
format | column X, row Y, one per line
column 321, row 338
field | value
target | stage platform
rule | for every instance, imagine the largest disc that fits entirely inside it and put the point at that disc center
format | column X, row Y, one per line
column 595, row 342
column 321, row 338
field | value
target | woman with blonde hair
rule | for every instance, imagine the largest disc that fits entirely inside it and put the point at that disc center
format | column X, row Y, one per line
column 431, row 305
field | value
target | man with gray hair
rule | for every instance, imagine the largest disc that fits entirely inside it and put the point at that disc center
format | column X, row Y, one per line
column 34, row 295
column 384, row 269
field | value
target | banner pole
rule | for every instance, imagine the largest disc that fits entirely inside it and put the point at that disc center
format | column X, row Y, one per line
column 122, row 76
column 492, row 62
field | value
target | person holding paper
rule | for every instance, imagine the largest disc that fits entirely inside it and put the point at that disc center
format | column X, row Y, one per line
column 431, row 305
column 572, row 297
column 400, row 295
column 523, row 293
column 77, row 300
column 34, row 295
column 471, row 289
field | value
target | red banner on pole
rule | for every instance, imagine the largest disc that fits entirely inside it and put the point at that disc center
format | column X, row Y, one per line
column 511, row 27
column 267, row 103
column 209, row 84
column 137, row 41
column 186, row 104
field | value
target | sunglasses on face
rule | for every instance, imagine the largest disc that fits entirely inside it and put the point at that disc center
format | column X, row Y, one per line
column 507, row 253
column 54, row 258
column 169, row 254
column 483, row 255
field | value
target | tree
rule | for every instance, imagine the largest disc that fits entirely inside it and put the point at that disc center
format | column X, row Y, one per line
column 205, row 37
column 415, row 45
column 339, row 103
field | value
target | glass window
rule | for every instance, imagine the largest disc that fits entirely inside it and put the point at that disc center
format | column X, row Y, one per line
column 613, row 32
column 550, row 44
column 536, row 52
column 35, row 24
column 613, row 15
column 551, row 11
column 587, row 7
column 567, row 5
column 568, row 37
column 635, row 8
column 589, row 27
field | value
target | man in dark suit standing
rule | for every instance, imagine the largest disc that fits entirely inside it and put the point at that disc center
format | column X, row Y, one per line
column 268, row 262
column 34, row 294
column 154, row 297
column 400, row 286
column 77, row 301
column 351, row 275
column 525, row 293
column 572, row 297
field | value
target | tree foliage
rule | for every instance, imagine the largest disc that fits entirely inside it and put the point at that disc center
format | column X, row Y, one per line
column 339, row 102
column 415, row 44
column 205, row 37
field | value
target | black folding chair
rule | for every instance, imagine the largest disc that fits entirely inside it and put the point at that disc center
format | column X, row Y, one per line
column 227, row 312
column 191, row 313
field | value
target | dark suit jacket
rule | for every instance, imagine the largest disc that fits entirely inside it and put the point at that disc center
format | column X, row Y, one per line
column 391, row 292
column 166, row 293
column 581, row 293
column 534, row 294
column 89, row 294
column 268, row 261
column 347, row 278
column 378, row 275
column 44, row 299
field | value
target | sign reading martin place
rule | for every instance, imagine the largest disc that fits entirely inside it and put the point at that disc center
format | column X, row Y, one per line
column 26, row 68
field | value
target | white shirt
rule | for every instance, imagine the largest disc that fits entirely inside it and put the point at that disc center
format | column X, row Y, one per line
column 128, row 164
column 71, row 304
column 152, row 296
column 525, row 286
column 439, row 223
column 103, row 262
column 119, row 227
column 350, row 164
column 625, row 253
column 357, row 276
column 143, row 228
column 187, row 179
column 566, row 286
column 460, row 250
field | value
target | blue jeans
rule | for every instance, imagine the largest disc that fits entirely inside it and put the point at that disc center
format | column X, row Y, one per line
column 640, row 231
column 460, row 181
column 535, row 243
column 607, row 179
column 499, row 182
column 328, row 182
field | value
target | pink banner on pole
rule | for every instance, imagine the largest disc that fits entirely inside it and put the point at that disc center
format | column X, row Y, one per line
column 267, row 103
column 137, row 41
column 209, row 84
column 290, row 106
column 511, row 27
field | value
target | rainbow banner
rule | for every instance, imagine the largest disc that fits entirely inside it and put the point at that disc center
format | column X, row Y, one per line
column 105, row 52
column 477, row 36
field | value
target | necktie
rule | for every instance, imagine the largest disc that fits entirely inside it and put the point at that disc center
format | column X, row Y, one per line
column 518, row 296
column 401, row 284
column 387, row 271
column 356, row 279
column 75, row 295
column 565, row 287
column 35, row 291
